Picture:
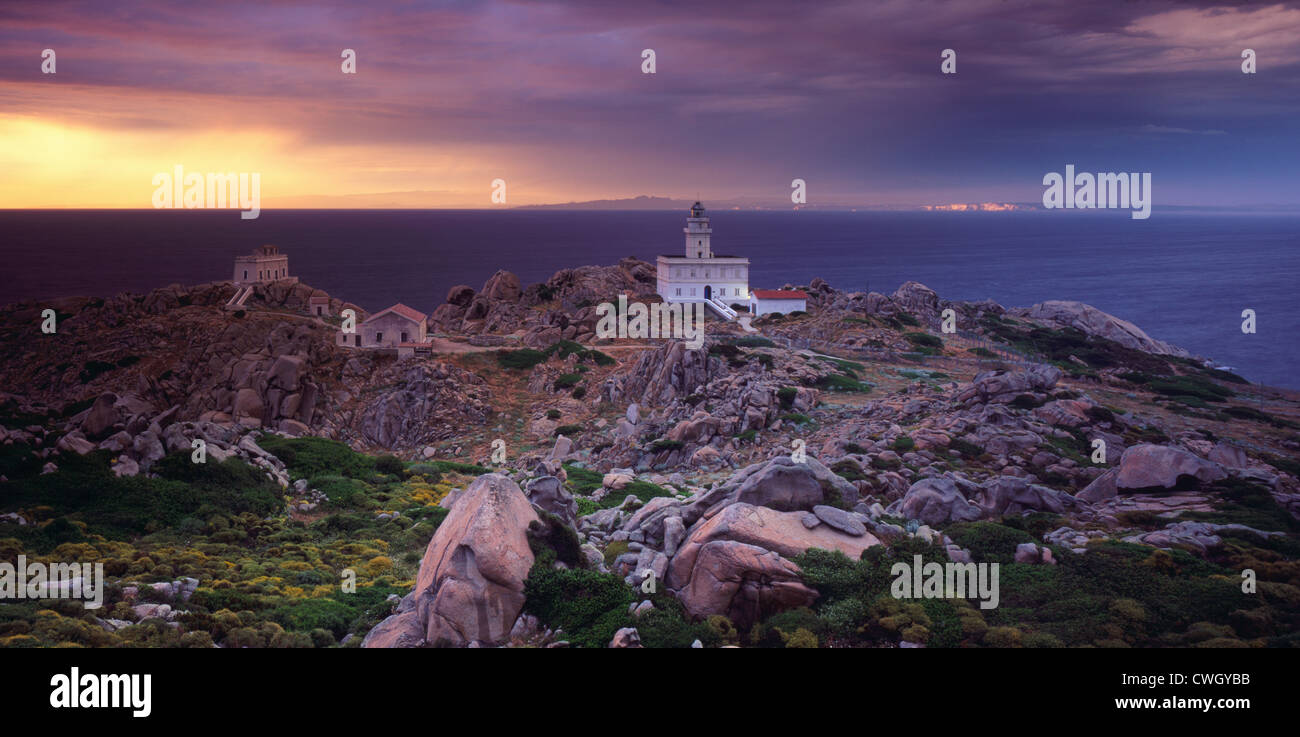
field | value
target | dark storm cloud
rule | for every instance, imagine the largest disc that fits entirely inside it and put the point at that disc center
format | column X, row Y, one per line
column 847, row 95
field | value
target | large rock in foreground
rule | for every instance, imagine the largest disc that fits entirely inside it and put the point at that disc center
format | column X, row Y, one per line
column 471, row 582
column 735, row 562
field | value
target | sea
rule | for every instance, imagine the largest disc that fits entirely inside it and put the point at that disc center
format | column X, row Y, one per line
column 1185, row 278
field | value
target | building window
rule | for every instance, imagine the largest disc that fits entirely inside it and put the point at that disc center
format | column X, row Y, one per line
column 679, row 291
column 692, row 291
column 379, row 337
column 358, row 340
column 722, row 292
column 692, row 272
column 404, row 339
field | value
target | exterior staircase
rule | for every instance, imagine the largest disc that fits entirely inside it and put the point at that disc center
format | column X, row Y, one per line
column 238, row 299
column 721, row 308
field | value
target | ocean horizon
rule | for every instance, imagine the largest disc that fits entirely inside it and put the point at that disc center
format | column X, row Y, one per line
column 1184, row 278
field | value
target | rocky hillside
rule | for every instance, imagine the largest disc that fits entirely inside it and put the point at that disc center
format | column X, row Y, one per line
column 753, row 491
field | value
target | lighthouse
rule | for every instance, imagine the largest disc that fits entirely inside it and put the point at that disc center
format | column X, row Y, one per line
column 698, row 275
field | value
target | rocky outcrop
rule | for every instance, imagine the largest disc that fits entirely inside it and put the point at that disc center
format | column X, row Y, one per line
column 1093, row 321
column 470, row 588
column 663, row 375
column 1004, row 386
column 1149, row 467
column 1161, row 466
column 1198, row 536
column 548, row 494
column 1007, row 495
column 917, row 299
column 786, row 486
column 736, row 562
column 421, row 403
column 934, row 501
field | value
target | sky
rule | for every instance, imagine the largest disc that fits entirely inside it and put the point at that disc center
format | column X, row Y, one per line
column 551, row 98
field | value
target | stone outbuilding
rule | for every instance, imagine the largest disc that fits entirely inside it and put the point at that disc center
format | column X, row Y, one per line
column 319, row 306
column 389, row 328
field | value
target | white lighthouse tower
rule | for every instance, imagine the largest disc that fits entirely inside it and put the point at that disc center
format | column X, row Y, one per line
column 697, row 232
column 700, row 276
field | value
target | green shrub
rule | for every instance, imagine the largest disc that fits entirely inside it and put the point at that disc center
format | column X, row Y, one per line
column 842, row 383
column 390, row 464
column 924, row 340
column 339, row 490
column 988, row 542
column 85, row 489
column 582, row 481
column 307, row 457
column 849, row 469
column 523, row 358
column 564, row 381
column 589, row 606
column 667, row 626
column 786, row 395
column 465, row 469
column 1181, row 386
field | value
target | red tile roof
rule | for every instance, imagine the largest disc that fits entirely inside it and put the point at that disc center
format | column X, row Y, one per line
column 777, row 294
column 403, row 310
column 319, row 300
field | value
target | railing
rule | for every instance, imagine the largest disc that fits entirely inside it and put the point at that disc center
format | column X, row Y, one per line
column 239, row 297
column 722, row 308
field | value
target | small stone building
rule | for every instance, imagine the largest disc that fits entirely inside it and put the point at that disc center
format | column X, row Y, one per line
column 318, row 306
column 266, row 264
column 389, row 328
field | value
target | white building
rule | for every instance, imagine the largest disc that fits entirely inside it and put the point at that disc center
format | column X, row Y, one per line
column 784, row 301
column 700, row 276
column 266, row 264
